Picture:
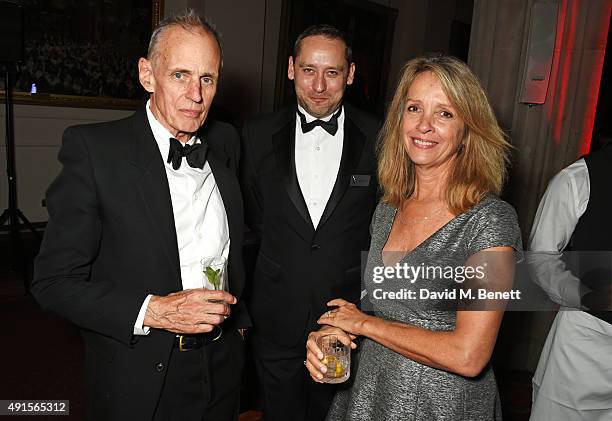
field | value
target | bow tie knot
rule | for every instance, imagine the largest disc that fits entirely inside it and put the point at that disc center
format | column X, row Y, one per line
column 195, row 154
column 330, row 126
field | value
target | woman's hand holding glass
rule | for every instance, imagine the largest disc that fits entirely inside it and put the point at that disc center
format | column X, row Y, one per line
column 314, row 356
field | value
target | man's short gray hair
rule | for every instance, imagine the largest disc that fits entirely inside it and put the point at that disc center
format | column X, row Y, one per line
column 189, row 20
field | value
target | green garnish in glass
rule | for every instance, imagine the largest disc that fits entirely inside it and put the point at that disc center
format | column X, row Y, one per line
column 214, row 276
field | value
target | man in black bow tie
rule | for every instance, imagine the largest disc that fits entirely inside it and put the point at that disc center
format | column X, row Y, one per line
column 309, row 182
column 138, row 204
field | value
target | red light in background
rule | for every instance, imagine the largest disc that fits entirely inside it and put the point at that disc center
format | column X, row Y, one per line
column 558, row 110
column 551, row 100
column 566, row 62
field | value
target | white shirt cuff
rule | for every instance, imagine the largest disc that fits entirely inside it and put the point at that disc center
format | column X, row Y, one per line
column 139, row 329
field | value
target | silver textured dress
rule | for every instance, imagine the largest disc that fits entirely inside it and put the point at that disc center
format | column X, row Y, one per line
column 388, row 386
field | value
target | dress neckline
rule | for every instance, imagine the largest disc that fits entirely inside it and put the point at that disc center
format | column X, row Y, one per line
column 426, row 240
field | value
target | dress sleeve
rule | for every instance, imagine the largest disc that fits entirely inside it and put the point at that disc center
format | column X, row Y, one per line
column 496, row 225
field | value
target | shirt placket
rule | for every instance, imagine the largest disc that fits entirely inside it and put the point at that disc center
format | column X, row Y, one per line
column 196, row 206
column 317, row 175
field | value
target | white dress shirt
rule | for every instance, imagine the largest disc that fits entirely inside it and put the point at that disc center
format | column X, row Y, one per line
column 573, row 380
column 317, row 161
column 562, row 205
column 199, row 216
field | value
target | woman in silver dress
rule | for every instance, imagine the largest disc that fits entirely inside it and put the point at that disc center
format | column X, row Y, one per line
column 425, row 353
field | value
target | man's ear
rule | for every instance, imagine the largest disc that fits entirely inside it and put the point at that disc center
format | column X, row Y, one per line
column 290, row 69
column 145, row 75
column 351, row 74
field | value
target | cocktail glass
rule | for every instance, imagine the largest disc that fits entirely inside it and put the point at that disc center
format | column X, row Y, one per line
column 214, row 271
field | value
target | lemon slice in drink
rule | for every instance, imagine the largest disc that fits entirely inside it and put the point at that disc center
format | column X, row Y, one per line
column 334, row 366
column 339, row 369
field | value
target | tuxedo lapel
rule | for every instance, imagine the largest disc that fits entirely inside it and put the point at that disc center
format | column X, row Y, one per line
column 153, row 187
column 352, row 148
column 284, row 144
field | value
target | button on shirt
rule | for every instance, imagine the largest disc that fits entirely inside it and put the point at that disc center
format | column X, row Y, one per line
column 317, row 161
column 199, row 215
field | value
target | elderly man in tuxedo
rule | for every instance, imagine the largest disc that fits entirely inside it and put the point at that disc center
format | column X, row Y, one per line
column 309, row 182
column 137, row 205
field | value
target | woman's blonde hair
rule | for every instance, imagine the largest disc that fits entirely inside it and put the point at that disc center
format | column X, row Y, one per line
column 483, row 153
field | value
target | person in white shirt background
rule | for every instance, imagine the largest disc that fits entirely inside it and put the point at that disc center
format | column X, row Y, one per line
column 573, row 379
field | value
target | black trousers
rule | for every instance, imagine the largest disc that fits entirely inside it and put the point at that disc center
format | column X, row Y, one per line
column 289, row 392
column 204, row 384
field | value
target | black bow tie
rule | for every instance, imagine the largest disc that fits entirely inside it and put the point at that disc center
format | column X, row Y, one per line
column 330, row 126
column 195, row 154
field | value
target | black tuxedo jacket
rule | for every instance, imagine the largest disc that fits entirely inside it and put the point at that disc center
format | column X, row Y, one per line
column 111, row 240
column 299, row 268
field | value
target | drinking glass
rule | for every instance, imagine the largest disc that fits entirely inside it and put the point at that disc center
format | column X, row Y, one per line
column 214, row 270
column 336, row 357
